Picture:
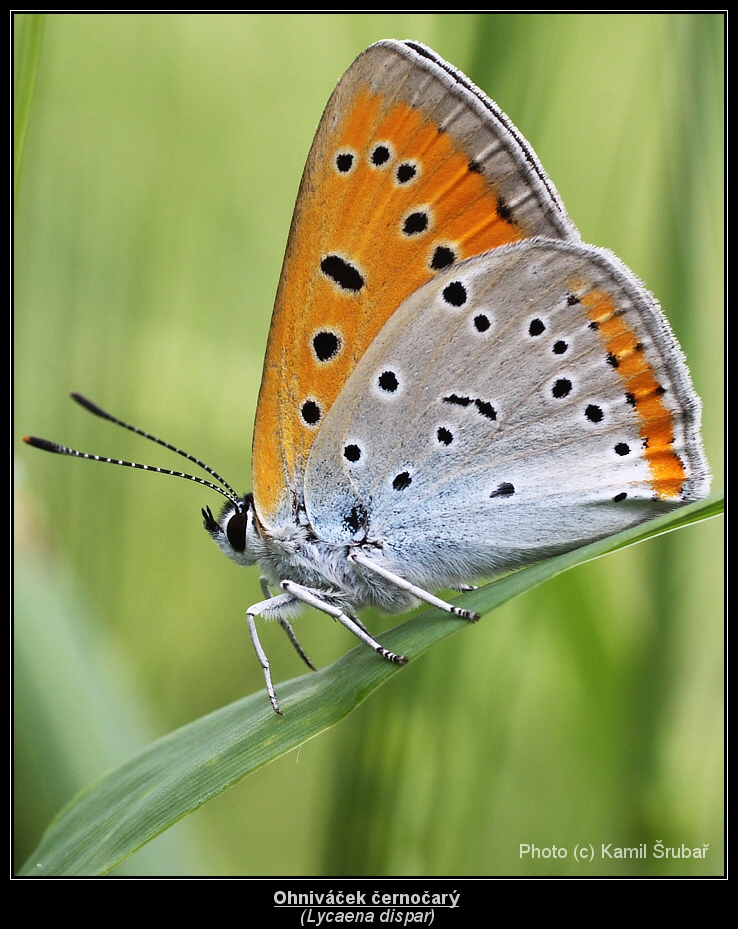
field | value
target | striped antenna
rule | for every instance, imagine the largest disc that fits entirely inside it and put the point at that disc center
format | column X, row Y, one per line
column 98, row 411
column 47, row 446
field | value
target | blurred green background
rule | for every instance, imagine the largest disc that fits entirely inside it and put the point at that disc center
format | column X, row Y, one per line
column 162, row 159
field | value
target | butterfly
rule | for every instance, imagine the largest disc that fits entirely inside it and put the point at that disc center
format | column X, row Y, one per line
column 455, row 385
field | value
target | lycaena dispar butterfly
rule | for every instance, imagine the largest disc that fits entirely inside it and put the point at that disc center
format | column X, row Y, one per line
column 455, row 385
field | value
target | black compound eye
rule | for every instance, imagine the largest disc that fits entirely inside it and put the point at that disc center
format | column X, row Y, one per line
column 236, row 531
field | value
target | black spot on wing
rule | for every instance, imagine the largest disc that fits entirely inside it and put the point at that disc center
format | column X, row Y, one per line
column 405, row 173
column 343, row 273
column 344, row 162
column 415, row 223
column 380, row 155
column 594, row 413
column 443, row 257
column 326, row 345
column 455, row 294
column 483, row 407
column 310, row 413
column 388, row 382
column 561, row 388
column 486, row 409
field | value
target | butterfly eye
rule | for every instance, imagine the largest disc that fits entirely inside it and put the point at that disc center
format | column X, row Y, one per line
column 236, row 531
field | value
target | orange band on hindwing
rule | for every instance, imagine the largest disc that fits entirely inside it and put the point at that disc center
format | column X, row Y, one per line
column 656, row 420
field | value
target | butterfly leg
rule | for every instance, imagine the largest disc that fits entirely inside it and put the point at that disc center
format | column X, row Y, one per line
column 358, row 558
column 311, row 599
column 260, row 653
column 359, row 623
column 286, row 625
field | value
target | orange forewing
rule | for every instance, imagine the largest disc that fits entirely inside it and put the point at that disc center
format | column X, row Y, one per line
column 360, row 216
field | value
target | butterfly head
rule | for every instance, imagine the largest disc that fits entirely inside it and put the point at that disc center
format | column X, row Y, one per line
column 236, row 531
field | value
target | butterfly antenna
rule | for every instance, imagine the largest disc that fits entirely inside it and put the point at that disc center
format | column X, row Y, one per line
column 98, row 411
column 57, row 449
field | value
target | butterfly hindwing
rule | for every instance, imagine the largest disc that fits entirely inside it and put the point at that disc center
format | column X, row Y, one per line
column 524, row 402
column 412, row 170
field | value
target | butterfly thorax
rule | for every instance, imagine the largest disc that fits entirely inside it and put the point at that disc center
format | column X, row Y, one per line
column 293, row 552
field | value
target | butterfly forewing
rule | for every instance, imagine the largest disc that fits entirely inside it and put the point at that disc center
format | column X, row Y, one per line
column 412, row 170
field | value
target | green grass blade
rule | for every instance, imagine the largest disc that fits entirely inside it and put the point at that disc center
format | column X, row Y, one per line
column 28, row 55
column 109, row 820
